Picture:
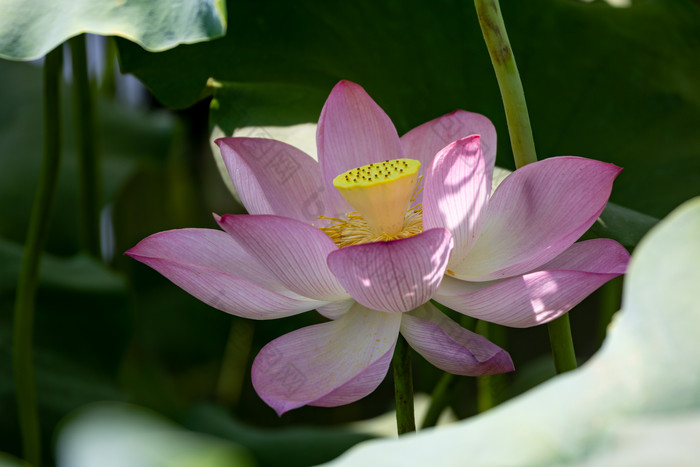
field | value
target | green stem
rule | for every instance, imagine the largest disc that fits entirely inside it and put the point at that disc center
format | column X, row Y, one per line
column 610, row 301
column 22, row 355
column 521, row 140
column 490, row 389
column 485, row 398
column 233, row 365
column 109, row 83
column 485, row 392
column 403, row 387
column 494, row 32
column 439, row 400
column 562, row 344
column 86, row 147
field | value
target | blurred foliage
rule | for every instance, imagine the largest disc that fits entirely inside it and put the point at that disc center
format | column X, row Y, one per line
column 623, row 224
column 82, row 326
column 126, row 139
column 28, row 30
column 614, row 84
column 618, row 85
column 298, row 446
column 84, row 310
column 136, row 437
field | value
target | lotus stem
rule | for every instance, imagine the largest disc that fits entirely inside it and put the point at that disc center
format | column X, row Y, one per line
column 494, row 32
column 439, row 400
column 233, row 363
column 562, row 344
column 403, row 387
column 610, row 303
column 88, row 162
column 521, row 140
column 22, row 352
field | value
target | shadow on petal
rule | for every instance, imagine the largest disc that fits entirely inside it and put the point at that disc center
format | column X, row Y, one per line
column 450, row 347
column 327, row 364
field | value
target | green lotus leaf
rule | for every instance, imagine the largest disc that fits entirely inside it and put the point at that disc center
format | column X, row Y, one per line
column 134, row 436
column 28, row 30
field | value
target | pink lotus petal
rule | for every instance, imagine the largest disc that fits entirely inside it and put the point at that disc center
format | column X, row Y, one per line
column 294, row 252
column 352, row 131
column 211, row 266
column 426, row 140
column 395, row 276
column 328, row 364
column 457, row 189
column 536, row 213
column 361, row 385
column 272, row 177
column 540, row 296
column 335, row 310
column 450, row 347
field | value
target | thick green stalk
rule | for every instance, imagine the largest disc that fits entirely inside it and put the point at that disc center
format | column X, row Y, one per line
column 86, row 148
column 22, row 354
column 562, row 344
column 485, row 391
column 485, row 398
column 494, row 32
column 108, row 87
column 439, row 400
column 403, row 387
column 490, row 389
column 610, row 301
column 521, row 140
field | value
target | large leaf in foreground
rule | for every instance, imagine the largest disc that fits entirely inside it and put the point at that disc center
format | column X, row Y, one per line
column 642, row 389
column 28, row 30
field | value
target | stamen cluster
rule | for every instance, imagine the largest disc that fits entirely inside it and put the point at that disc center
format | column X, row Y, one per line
column 355, row 230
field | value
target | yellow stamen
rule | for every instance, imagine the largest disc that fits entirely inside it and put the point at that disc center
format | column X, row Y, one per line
column 384, row 196
column 355, row 230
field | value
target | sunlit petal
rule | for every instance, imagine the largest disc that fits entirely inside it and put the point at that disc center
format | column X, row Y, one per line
column 457, row 189
column 393, row 276
column 535, row 214
column 539, row 296
column 426, row 140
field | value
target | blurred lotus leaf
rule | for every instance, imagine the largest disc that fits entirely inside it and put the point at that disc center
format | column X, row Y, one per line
column 28, row 30
column 125, row 435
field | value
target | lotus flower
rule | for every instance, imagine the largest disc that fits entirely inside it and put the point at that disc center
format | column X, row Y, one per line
column 377, row 228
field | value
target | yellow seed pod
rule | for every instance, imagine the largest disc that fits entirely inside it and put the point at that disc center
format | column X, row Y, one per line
column 380, row 192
